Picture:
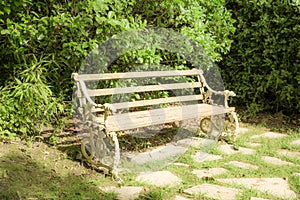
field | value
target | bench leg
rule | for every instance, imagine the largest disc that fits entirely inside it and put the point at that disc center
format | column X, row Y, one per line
column 95, row 148
column 101, row 150
column 236, row 121
column 217, row 125
column 116, row 161
column 212, row 125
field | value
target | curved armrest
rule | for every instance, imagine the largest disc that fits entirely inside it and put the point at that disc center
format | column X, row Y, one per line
column 88, row 98
column 105, row 106
column 226, row 93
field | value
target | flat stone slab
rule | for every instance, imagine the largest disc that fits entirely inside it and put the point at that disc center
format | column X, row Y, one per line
column 296, row 142
column 180, row 164
column 276, row 161
column 228, row 149
column 289, row 153
column 242, row 165
column 269, row 135
column 180, row 198
column 254, row 144
column 125, row 192
column 243, row 130
column 201, row 156
column 159, row 153
column 160, row 178
column 209, row 172
column 296, row 174
column 192, row 141
column 213, row 191
column 275, row 186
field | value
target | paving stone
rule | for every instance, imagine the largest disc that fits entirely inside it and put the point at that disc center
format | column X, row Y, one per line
column 195, row 142
column 228, row 149
column 160, row 178
column 269, row 135
column 209, row 172
column 243, row 130
column 125, row 192
column 180, row 198
column 256, row 198
column 275, row 161
column 254, row 144
column 296, row 142
column 180, row 164
column 201, row 156
column 275, row 186
column 160, row 153
column 242, row 165
column 289, row 153
column 213, row 191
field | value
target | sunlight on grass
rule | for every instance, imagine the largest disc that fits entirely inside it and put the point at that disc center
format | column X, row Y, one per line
column 44, row 172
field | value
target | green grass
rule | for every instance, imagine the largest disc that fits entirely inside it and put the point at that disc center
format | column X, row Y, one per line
column 43, row 172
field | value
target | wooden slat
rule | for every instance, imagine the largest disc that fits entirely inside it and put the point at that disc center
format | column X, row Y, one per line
column 127, row 75
column 150, row 102
column 146, row 88
column 139, row 119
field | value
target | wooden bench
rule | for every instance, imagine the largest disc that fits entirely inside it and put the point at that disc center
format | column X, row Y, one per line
column 189, row 97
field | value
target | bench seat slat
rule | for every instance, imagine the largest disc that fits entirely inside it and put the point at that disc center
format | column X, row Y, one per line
column 139, row 119
column 146, row 88
column 150, row 102
column 127, row 75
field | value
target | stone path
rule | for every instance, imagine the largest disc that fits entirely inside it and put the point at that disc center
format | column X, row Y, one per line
column 124, row 193
column 269, row 135
column 242, row 165
column 288, row 153
column 275, row 186
column 209, row 172
column 296, row 142
column 218, row 188
column 213, row 191
column 275, row 161
column 160, row 178
column 228, row 149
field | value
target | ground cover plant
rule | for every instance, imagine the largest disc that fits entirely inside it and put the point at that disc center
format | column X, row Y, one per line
column 41, row 171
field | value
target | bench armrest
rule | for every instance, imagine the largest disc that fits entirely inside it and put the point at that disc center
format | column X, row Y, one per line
column 226, row 93
column 106, row 106
column 85, row 94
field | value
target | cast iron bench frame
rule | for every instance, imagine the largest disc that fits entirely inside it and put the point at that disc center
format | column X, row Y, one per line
column 108, row 120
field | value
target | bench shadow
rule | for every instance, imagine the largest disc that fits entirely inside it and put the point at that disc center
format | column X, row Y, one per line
column 141, row 140
column 21, row 177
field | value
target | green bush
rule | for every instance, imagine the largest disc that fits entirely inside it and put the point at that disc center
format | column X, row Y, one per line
column 43, row 42
column 29, row 104
column 263, row 64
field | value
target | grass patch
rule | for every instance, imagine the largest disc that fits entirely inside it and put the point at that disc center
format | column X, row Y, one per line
column 44, row 172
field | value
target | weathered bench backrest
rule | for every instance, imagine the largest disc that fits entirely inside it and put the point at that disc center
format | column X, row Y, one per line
column 197, row 74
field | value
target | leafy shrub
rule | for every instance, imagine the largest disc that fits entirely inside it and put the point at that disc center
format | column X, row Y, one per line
column 43, row 42
column 29, row 104
column 208, row 23
column 263, row 64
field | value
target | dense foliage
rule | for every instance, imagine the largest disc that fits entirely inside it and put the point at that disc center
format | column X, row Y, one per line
column 263, row 66
column 43, row 42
